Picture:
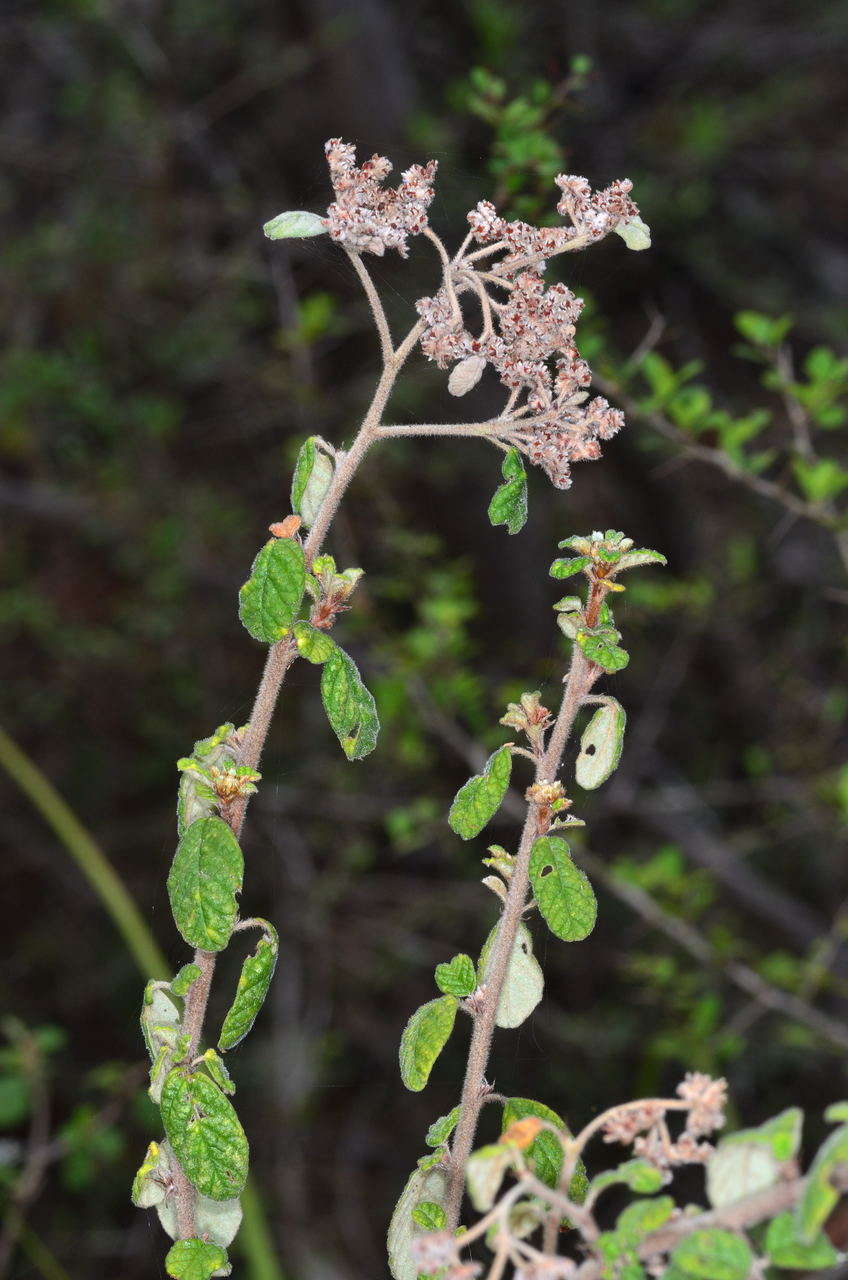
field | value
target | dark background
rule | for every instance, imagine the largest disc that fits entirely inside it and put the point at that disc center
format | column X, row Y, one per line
column 162, row 362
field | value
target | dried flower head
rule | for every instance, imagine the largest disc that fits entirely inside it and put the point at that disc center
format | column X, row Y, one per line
column 366, row 216
column 707, row 1099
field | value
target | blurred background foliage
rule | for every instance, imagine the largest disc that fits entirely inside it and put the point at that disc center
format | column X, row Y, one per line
column 161, row 364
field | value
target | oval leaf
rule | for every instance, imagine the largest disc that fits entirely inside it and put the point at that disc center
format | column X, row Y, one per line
column 313, row 475
column 215, row 1220
column 426, row 1185
column 295, row 224
column 424, row 1037
column 270, row 599
column 205, row 877
column 509, row 501
column 314, row 645
column 481, row 797
column 256, row 974
column 194, row 1260
column 205, row 1135
column 524, row 984
column 350, row 707
column 563, row 893
column 600, row 746
column 738, row 1170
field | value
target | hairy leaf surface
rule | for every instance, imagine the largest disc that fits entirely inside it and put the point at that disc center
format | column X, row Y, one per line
column 254, row 981
column 478, row 801
column 270, row 599
column 205, row 1134
column 205, row 877
column 563, row 892
column 424, row 1037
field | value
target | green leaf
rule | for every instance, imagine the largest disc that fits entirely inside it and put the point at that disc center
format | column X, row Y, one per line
column 295, row 224
column 424, row 1037
column 509, row 501
column 440, row 1130
column 314, row 645
column 821, row 480
column 426, row 1185
column 635, row 233
column 478, row 801
column 160, row 1019
column 485, row 1171
column 217, row 1071
column 567, row 568
column 637, row 1174
column 524, row 983
column 205, row 1134
column 738, row 1170
column 254, row 981
column 784, row 1249
column 820, row 1196
column 836, row 1112
column 601, row 746
column 429, row 1216
column 194, row 1260
column 712, row 1254
column 545, row 1151
column 205, row 877
column 196, row 798
column 458, row 978
column 603, row 651
column 781, row 1134
column 313, row 475
column 185, row 979
column 270, row 599
column 350, row 708
column 763, row 331
column 563, row 892
column 634, row 559
column 150, row 1184
column 643, row 1216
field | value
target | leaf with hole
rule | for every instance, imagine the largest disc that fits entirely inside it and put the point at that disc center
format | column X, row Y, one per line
column 254, row 981
column 562, row 891
column 524, row 983
column 270, row 599
column 477, row 802
column 458, row 977
column 424, row 1036
column 350, row 707
column 601, row 745
column 509, row 501
column 205, row 877
column 205, row 1134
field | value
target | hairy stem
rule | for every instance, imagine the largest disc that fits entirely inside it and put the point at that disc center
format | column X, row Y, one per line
column 581, row 676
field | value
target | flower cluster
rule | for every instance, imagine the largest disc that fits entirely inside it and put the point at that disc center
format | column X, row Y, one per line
column 366, row 216
column 643, row 1123
column 592, row 214
column 536, row 325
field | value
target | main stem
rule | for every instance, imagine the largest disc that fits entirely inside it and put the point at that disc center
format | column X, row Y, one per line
column 581, row 676
column 280, row 657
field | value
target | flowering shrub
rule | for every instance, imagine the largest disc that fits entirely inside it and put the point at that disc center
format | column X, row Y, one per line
column 534, row 1201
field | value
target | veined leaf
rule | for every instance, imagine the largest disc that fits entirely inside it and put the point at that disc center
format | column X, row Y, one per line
column 600, row 746
column 256, row 974
column 194, row 1260
column 458, row 977
column 563, row 893
column 205, row 1134
column 314, row 645
column 509, row 501
column 545, row 1152
column 205, row 877
column 424, row 1037
column 478, row 801
column 350, row 707
column 270, row 599
column 185, row 979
